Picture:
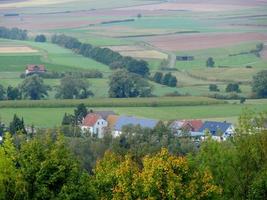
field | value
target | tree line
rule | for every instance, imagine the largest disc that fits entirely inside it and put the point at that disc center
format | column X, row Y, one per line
column 140, row 164
column 103, row 55
column 122, row 84
column 165, row 79
column 13, row 33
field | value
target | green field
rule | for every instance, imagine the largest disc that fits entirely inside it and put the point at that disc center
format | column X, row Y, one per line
column 50, row 117
column 54, row 57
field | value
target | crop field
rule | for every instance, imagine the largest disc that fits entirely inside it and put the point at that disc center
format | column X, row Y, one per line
column 204, row 41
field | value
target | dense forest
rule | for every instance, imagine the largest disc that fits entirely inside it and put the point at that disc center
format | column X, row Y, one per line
column 140, row 164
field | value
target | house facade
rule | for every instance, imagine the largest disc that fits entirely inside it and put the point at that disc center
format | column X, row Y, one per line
column 218, row 130
column 94, row 124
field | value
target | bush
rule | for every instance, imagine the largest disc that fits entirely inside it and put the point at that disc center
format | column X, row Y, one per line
column 213, row 88
column 233, row 87
column 242, row 100
column 40, row 38
column 210, row 62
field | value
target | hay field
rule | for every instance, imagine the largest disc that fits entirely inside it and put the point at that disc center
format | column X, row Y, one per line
column 17, row 49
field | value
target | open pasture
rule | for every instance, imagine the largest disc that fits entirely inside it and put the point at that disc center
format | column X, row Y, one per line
column 54, row 57
column 224, row 74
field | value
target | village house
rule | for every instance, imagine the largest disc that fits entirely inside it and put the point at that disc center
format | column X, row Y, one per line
column 181, row 126
column 218, row 130
column 94, row 124
column 129, row 120
column 35, row 69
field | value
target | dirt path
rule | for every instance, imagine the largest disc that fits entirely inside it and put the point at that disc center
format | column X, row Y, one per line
column 264, row 52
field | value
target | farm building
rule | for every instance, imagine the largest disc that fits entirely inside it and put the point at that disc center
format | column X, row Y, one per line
column 35, row 69
column 184, row 58
column 95, row 124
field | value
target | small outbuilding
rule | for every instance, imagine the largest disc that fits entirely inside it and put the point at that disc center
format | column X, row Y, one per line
column 35, row 69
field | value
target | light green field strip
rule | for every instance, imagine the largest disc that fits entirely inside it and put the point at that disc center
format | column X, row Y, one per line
column 50, row 117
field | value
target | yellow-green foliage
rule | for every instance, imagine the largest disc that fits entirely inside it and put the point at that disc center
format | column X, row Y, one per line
column 162, row 176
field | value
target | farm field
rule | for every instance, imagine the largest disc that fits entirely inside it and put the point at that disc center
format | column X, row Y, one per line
column 55, row 58
column 51, row 117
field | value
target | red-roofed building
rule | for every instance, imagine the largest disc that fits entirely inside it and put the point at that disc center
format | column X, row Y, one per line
column 186, row 125
column 35, row 69
column 192, row 125
column 95, row 124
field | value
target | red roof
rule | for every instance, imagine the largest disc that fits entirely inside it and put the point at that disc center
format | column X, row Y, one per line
column 194, row 125
column 36, row 68
column 91, row 119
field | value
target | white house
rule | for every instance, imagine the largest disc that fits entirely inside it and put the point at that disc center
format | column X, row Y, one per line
column 95, row 124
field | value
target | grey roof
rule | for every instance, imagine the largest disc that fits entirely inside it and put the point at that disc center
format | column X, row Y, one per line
column 105, row 114
column 213, row 127
column 197, row 134
column 127, row 120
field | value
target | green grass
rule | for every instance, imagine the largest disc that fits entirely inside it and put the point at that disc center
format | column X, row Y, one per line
column 222, row 58
column 50, row 117
column 54, row 57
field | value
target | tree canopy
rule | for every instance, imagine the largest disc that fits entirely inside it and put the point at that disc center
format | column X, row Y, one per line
column 259, row 84
column 33, row 87
column 73, row 88
column 124, row 84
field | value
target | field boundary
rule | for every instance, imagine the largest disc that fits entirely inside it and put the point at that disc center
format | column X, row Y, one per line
column 111, row 102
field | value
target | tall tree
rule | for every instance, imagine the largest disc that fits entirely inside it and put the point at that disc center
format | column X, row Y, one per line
column 13, row 93
column 80, row 113
column 11, row 184
column 166, row 79
column 33, row 87
column 17, row 125
column 158, row 77
column 138, row 67
column 210, row 62
column 232, row 87
column 2, row 92
column 73, row 88
column 172, row 81
column 259, row 84
column 51, row 171
column 40, row 38
column 124, row 84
